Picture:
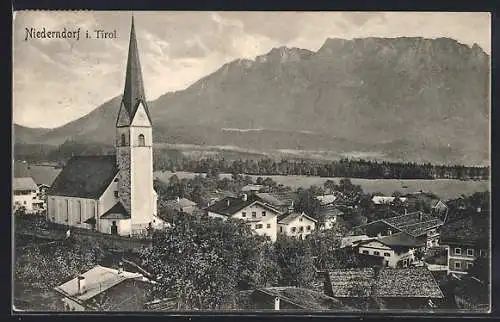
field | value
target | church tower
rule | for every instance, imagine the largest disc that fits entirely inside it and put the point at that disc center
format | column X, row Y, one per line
column 134, row 145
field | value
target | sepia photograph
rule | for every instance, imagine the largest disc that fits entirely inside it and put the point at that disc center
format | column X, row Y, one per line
column 232, row 161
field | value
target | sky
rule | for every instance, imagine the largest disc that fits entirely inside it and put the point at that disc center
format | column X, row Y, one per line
column 56, row 81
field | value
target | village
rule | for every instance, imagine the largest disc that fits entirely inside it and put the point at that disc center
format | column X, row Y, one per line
column 105, row 234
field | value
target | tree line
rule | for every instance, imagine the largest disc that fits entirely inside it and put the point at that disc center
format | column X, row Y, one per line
column 351, row 168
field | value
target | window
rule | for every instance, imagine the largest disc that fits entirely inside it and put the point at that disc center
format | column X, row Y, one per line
column 124, row 141
column 268, row 225
column 300, row 219
column 24, row 202
column 281, row 229
column 458, row 265
column 254, row 214
column 243, row 214
column 470, row 252
column 258, row 226
column 301, row 229
column 67, row 210
column 79, row 205
column 365, row 252
column 116, row 180
column 376, row 253
column 263, row 214
column 482, row 252
column 308, row 228
column 116, row 194
column 294, row 229
column 141, row 140
column 469, row 265
column 458, row 251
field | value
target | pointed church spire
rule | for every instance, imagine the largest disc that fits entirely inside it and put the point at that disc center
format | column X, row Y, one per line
column 133, row 93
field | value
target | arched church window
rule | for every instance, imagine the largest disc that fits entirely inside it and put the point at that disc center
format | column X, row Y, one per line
column 123, row 140
column 141, row 140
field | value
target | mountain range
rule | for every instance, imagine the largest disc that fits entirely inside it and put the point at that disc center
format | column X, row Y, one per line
column 406, row 99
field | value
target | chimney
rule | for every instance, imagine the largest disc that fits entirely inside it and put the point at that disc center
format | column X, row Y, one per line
column 277, row 303
column 120, row 267
column 244, row 197
column 81, row 284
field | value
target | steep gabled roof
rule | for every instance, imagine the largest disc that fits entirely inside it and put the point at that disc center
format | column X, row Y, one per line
column 401, row 239
column 133, row 94
column 118, row 211
column 85, row 177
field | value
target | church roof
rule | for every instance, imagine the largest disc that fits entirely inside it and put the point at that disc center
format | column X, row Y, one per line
column 85, row 177
column 118, row 211
column 133, row 94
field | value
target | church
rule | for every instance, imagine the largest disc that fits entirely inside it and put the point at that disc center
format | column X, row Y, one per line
column 113, row 194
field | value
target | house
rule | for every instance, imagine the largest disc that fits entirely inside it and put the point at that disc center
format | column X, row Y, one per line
column 422, row 226
column 466, row 240
column 259, row 216
column 330, row 215
column 440, row 210
column 409, row 288
column 181, row 205
column 296, row 224
column 113, row 194
column 397, row 250
column 383, row 200
column 25, row 195
column 252, row 188
column 287, row 298
column 105, row 289
column 349, row 241
column 327, row 199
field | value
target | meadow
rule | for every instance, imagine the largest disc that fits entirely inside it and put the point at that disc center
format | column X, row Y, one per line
column 444, row 188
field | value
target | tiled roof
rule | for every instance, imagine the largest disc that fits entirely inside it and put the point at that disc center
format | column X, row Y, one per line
column 85, row 177
column 406, row 282
column 415, row 223
column 378, row 200
column 231, row 205
column 400, row 239
column 252, row 187
column 24, row 184
column 473, row 229
column 352, row 282
column 326, row 199
column 97, row 280
column 272, row 199
column 285, row 219
column 118, row 211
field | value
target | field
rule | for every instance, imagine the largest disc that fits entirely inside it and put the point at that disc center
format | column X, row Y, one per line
column 444, row 188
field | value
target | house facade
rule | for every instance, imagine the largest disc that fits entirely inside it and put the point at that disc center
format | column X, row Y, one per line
column 113, row 194
column 25, row 195
column 297, row 225
column 260, row 217
column 465, row 241
column 397, row 250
